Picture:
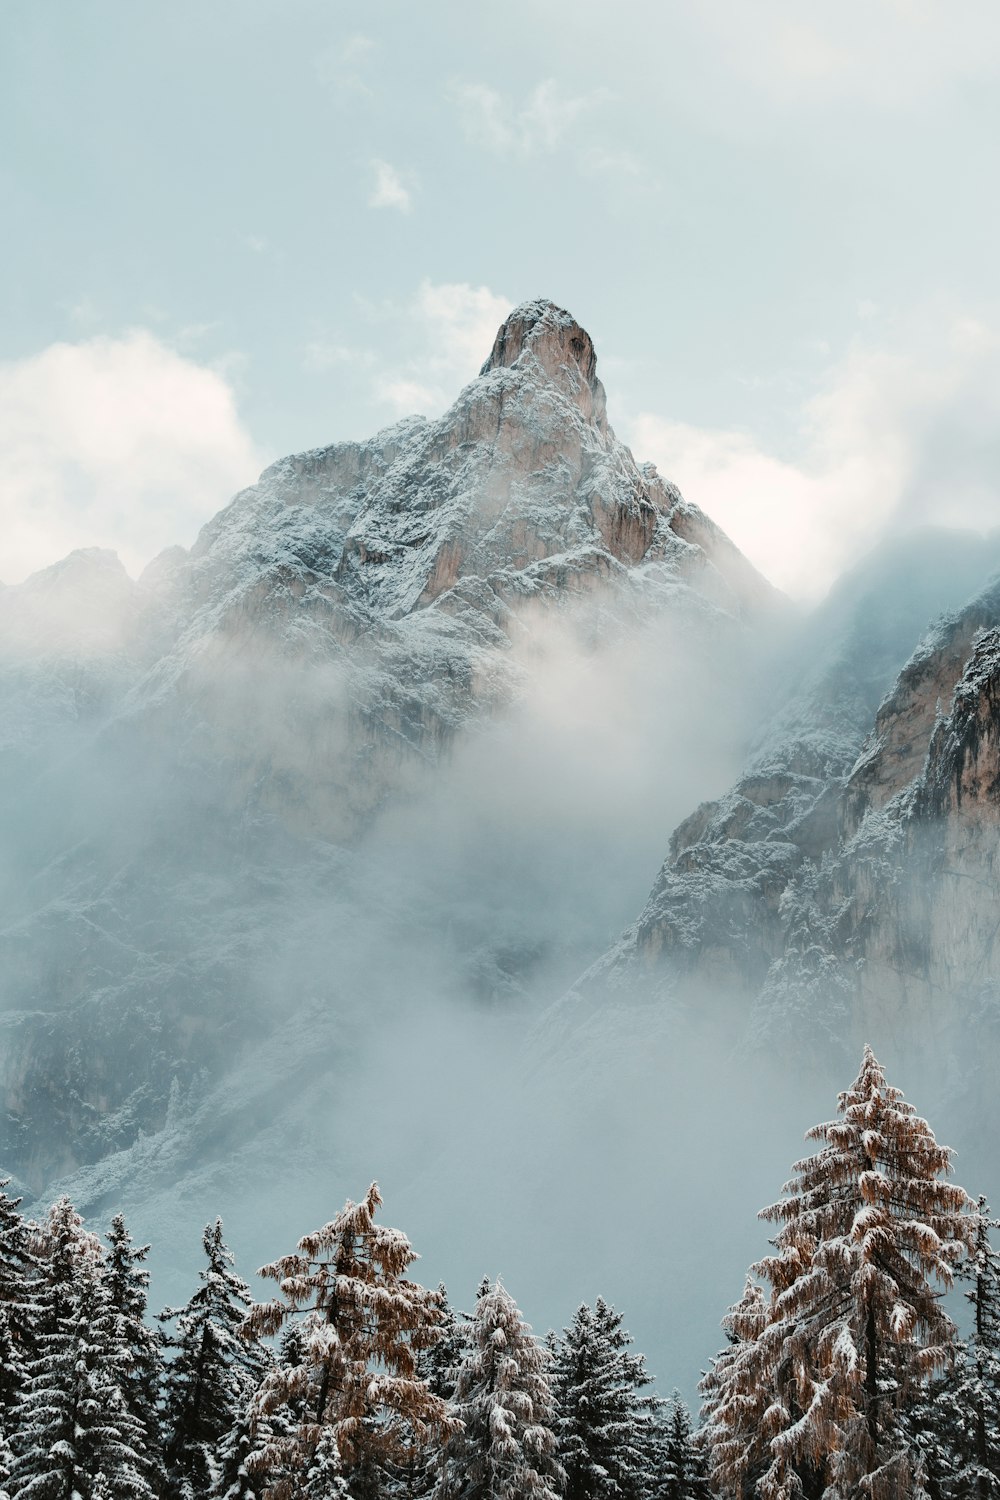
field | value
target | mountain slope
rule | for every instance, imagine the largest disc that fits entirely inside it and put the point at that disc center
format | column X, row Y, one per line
column 193, row 788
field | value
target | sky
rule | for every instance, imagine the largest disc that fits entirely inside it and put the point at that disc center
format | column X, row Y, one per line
column 242, row 229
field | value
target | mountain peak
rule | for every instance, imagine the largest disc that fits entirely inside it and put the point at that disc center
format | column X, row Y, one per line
column 548, row 332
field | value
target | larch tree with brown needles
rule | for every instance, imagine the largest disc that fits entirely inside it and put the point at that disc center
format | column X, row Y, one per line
column 870, row 1233
column 360, row 1326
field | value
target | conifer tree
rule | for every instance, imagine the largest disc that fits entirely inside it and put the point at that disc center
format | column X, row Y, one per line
column 76, row 1438
column 213, row 1371
column 126, row 1282
column 870, row 1232
column 6, row 1464
column 322, row 1478
column 506, row 1447
column 18, row 1272
column 678, row 1471
column 360, row 1327
column 439, row 1362
column 734, row 1396
column 604, row 1424
column 959, row 1427
column 242, row 1473
column 439, row 1366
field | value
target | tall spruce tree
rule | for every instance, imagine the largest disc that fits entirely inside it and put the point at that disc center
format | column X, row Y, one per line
column 605, row 1425
column 213, row 1371
column 506, row 1447
column 958, row 1426
column 678, row 1470
column 977, row 1383
column 6, row 1464
column 76, row 1438
column 870, row 1232
column 126, row 1282
column 18, row 1278
column 361, row 1325
column 439, row 1366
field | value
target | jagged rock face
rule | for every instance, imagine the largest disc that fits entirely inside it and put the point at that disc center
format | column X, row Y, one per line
column 845, row 889
column 247, row 707
column 917, row 877
column 897, row 747
column 405, row 565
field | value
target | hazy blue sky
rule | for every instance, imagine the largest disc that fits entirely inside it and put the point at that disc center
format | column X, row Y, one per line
column 234, row 228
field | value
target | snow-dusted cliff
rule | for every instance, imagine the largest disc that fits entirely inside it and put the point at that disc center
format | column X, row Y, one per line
column 193, row 762
column 845, row 888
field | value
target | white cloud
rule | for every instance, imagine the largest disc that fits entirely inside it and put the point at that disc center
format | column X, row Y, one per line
column 406, row 396
column 356, row 48
column 325, row 354
column 454, row 325
column 892, row 440
column 887, row 53
column 599, row 160
column 115, row 442
column 341, row 67
column 389, row 190
column 460, row 322
column 539, row 124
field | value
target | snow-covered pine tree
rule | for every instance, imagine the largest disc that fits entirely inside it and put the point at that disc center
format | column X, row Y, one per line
column 45, row 1444
column 439, row 1363
column 323, row 1478
column 506, row 1447
column 361, row 1325
column 18, row 1271
column 870, row 1232
column 959, row 1429
column 76, row 1438
column 731, row 1436
column 212, row 1373
column 977, row 1387
column 126, row 1282
column 439, row 1366
column 6, row 1464
column 678, row 1471
column 604, row 1423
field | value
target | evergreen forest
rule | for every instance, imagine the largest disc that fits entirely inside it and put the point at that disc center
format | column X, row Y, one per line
column 862, row 1361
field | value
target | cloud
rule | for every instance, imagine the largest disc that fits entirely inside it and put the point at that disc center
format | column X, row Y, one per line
column 321, row 355
column 460, row 323
column 891, row 440
column 887, row 53
column 405, row 396
column 454, row 325
column 539, row 124
column 389, row 190
column 115, row 442
column 341, row 67
column 597, row 160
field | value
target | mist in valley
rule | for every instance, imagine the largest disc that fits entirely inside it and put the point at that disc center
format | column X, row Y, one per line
column 392, row 1004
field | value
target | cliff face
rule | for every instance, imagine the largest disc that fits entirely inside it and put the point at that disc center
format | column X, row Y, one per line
column 191, row 780
column 845, row 889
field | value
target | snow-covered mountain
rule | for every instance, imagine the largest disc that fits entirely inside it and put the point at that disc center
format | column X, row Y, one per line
column 193, row 763
column 317, row 842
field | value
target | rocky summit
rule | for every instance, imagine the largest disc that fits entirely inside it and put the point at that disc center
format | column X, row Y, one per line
column 196, row 766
